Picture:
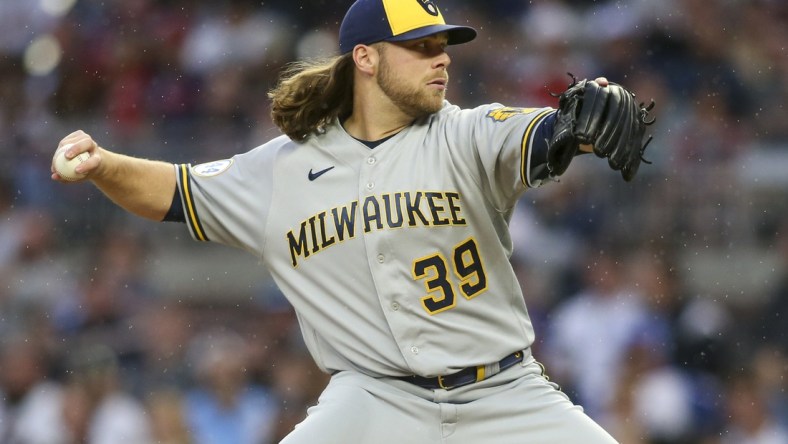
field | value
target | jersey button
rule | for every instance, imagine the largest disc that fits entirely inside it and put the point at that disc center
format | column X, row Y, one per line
column 370, row 186
column 381, row 258
column 371, row 160
column 395, row 306
column 414, row 350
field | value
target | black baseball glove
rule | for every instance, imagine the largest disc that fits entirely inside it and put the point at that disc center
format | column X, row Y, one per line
column 608, row 118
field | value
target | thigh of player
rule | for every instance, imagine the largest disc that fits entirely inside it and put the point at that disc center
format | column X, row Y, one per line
column 355, row 408
column 526, row 409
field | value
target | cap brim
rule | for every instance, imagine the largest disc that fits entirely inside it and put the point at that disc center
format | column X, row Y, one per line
column 457, row 34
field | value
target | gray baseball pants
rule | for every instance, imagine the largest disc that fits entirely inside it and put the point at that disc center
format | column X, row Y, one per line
column 516, row 406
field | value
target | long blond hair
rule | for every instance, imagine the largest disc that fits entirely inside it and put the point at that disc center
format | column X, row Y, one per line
column 311, row 94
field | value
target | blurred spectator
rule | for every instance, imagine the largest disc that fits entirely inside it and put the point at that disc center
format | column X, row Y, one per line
column 751, row 421
column 35, row 277
column 769, row 364
column 297, row 383
column 702, row 331
column 106, row 309
column 589, row 334
column 165, row 331
column 271, row 331
column 21, row 21
column 225, row 406
column 120, row 253
column 12, row 107
column 234, row 34
column 12, row 224
column 30, row 408
column 654, row 397
column 654, row 400
column 773, row 322
column 168, row 422
column 96, row 407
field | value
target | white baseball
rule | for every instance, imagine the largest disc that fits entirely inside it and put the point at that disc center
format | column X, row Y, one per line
column 65, row 167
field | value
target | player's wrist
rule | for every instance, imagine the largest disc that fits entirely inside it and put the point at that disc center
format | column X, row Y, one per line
column 108, row 165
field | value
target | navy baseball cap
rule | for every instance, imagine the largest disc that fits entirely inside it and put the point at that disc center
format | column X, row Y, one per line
column 371, row 21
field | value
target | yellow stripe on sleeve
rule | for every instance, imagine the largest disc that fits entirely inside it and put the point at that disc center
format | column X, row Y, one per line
column 191, row 214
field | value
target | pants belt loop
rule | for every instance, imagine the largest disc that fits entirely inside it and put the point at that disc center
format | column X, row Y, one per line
column 481, row 373
column 493, row 369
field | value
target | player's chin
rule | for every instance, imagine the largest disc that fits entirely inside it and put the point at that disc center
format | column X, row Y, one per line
column 427, row 108
column 434, row 102
column 423, row 105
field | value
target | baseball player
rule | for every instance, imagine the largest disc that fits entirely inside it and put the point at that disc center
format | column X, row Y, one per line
column 382, row 214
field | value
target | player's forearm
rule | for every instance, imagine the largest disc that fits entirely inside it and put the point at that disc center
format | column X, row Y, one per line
column 140, row 186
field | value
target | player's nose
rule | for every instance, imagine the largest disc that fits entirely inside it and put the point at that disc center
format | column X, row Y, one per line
column 442, row 60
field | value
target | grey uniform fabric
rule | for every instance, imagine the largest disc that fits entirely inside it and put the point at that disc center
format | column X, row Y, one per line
column 395, row 259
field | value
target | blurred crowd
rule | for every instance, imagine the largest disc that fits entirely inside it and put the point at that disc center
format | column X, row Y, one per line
column 659, row 304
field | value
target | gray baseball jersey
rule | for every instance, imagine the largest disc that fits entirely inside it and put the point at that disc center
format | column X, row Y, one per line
column 396, row 259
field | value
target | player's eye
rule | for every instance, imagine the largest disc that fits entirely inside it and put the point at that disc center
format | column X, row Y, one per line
column 430, row 45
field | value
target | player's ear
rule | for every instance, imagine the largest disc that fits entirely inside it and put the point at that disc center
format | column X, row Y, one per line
column 366, row 58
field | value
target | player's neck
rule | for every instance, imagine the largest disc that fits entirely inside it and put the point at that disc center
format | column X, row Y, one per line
column 373, row 126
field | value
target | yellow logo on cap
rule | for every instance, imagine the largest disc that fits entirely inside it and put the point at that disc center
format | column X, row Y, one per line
column 407, row 15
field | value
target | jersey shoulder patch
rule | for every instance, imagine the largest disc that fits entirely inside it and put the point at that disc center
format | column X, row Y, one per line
column 212, row 168
column 504, row 113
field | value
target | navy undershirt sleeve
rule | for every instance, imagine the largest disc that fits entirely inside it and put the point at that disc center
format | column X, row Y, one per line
column 543, row 135
column 175, row 213
column 539, row 148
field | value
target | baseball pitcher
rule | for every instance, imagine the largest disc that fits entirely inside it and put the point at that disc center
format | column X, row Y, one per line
column 382, row 214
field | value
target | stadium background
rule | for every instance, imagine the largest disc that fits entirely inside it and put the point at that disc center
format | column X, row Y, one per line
column 659, row 304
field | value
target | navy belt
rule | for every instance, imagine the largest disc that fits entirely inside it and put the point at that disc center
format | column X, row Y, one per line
column 465, row 376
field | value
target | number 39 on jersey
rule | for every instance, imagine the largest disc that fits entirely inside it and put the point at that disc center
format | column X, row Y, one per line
column 443, row 277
